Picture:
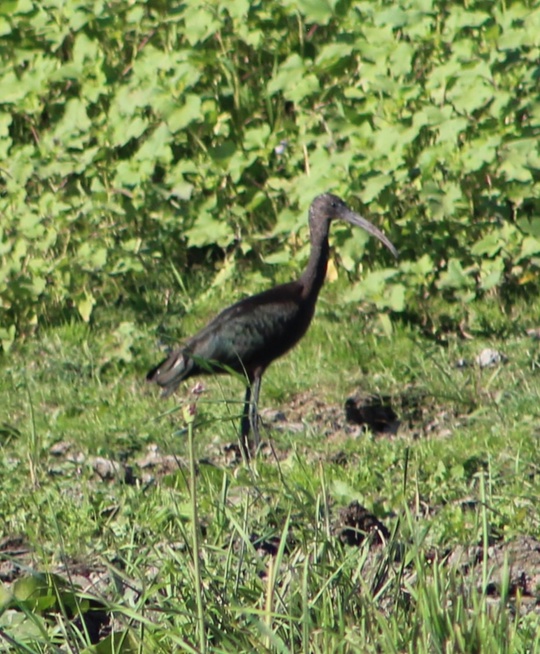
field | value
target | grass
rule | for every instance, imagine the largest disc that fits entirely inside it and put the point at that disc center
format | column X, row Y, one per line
column 264, row 566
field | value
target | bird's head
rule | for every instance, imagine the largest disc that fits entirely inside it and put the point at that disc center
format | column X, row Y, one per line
column 328, row 207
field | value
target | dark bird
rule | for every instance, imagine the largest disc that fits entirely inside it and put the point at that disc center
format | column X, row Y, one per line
column 247, row 336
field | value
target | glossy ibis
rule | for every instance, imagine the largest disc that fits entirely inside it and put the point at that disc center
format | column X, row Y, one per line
column 249, row 335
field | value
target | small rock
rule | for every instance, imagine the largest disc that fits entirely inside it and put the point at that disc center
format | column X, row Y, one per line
column 489, row 357
column 76, row 457
column 60, row 448
column 295, row 427
column 9, row 571
column 162, row 463
column 106, row 468
column 273, row 415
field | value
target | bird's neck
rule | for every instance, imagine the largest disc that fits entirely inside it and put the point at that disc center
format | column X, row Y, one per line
column 313, row 276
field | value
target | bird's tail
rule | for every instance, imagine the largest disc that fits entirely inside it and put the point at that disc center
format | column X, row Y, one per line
column 171, row 371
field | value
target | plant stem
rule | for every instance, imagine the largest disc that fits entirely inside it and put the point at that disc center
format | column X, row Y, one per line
column 195, row 540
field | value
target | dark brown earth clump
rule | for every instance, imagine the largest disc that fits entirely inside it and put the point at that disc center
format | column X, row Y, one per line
column 356, row 524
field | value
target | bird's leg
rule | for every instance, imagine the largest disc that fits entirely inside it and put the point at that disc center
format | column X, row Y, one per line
column 254, row 411
column 250, row 417
column 246, row 423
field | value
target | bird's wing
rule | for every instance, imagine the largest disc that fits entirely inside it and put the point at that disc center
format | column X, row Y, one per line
column 250, row 333
column 245, row 336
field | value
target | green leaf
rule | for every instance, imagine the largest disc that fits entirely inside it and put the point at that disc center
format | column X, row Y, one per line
column 491, row 273
column 8, row 7
column 119, row 642
column 7, row 338
column 36, row 591
column 207, row 230
column 455, row 276
column 92, row 256
column 124, row 129
column 256, row 138
column 373, row 288
column 5, row 26
column 30, row 224
column 307, row 86
column 386, row 324
column 393, row 16
column 135, row 15
column 6, row 120
column 373, row 186
column 451, row 129
column 420, row 272
column 519, row 158
column 223, row 152
column 490, row 244
column 188, row 113
column 156, row 147
column 396, row 298
column 239, row 9
column 200, row 23
column 333, row 53
column 293, row 80
column 470, row 93
column 12, row 89
column 74, row 126
column 531, row 227
column 529, row 247
column 23, row 6
column 478, row 152
column 119, row 345
column 461, row 17
column 85, row 306
column 278, row 258
column 400, row 60
column 316, row 11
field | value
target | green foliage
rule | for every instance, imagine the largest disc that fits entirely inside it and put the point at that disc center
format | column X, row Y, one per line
column 137, row 133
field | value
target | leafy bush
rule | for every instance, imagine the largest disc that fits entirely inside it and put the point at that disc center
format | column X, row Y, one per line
column 137, row 133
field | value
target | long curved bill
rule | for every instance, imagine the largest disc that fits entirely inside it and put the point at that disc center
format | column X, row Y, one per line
column 356, row 219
